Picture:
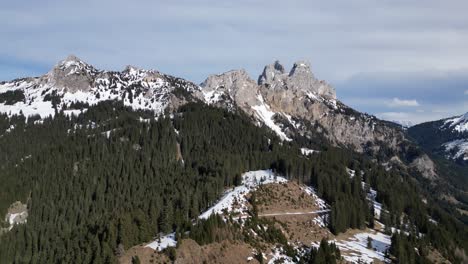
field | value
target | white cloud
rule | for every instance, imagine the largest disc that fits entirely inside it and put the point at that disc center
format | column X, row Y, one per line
column 466, row 92
column 394, row 116
column 397, row 102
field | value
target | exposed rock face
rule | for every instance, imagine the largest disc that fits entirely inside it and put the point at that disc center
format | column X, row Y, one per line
column 17, row 214
column 426, row 166
column 235, row 86
column 300, row 78
column 71, row 74
column 272, row 73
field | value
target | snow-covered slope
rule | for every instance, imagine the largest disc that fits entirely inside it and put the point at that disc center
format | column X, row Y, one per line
column 459, row 123
column 72, row 81
column 235, row 200
column 237, row 196
column 457, row 149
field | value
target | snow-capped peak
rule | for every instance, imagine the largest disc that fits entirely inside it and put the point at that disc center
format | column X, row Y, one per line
column 71, row 60
column 73, row 80
column 71, row 65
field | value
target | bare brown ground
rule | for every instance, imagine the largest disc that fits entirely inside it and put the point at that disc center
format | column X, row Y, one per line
column 283, row 197
column 225, row 252
column 300, row 229
column 291, row 198
column 190, row 252
column 435, row 257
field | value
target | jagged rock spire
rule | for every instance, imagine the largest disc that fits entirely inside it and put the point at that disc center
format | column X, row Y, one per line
column 270, row 72
column 299, row 78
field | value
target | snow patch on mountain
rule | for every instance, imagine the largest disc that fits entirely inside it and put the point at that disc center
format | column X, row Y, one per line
column 351, row 172
column 457, row 149
column 354, row 249
column 371, row 196
column 459, row 123
column 265, row 114
column 307, row 152
column 278, row 255
column 250, row 181
column 73, row 81
column 163, row 242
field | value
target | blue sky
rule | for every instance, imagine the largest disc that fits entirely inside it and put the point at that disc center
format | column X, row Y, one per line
column 400, row 60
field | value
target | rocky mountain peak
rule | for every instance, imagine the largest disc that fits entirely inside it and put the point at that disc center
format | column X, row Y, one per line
column 72, row 58
column 299, row 78
column 270, row 72
column 130, row 68
column 233, row 78
column 72, row 64
column 71, row 74
column 302, row 69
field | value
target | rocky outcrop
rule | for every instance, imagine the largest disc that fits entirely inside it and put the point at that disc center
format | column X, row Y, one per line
column 71, row 74
column 426, row 166
column 299, row 78
column 233, row 86
column 17, row 214
column 271, row 73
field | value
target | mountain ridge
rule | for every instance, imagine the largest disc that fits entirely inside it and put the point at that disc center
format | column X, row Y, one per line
column 445, row 137
column 294, row 103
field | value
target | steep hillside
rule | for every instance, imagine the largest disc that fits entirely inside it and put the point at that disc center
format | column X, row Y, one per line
column 447, row 142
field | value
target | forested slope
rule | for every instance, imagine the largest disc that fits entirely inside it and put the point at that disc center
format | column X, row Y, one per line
column 112, row 178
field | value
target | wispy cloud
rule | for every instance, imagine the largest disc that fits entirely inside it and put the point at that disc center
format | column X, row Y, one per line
column 394, row 116
column 397, row 102
column 466, row 92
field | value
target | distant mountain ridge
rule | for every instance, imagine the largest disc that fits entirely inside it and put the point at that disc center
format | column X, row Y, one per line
column 74, row 81
column 446, row 137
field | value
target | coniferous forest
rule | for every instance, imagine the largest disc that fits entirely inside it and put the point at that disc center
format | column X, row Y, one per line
column 113, row 178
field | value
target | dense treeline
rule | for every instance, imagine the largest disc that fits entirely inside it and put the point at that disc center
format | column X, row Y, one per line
column 408, row 249
column 327, row 253
column 11, row 97
column 112, row 178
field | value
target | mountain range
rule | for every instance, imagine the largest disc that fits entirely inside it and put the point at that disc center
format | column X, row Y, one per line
column 192, row 141
column 293, row 104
